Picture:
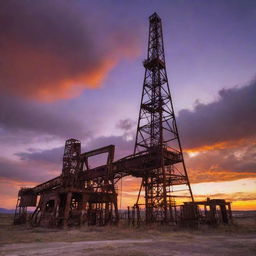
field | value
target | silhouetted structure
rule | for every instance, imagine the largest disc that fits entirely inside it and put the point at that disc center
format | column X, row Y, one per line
column 157, row 131
column 82, row 194
column 73, row 198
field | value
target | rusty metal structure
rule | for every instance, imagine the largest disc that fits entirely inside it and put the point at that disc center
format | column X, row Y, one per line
column 157, row 130
column 210, row 211
column 88, row 195
column 77, row 196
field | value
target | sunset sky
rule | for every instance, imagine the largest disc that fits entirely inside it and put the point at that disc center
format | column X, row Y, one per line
column 74, row 69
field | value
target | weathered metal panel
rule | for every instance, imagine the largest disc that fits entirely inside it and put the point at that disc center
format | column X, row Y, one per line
column 28, row 200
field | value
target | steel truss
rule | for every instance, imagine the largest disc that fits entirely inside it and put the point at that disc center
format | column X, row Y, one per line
column 157, row 128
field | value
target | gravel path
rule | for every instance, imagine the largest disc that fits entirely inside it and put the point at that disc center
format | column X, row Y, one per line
column 193, row 245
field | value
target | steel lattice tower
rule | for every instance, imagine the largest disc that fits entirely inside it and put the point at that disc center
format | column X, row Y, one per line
column 157, row 132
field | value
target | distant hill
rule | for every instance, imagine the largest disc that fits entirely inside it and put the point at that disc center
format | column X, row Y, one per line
column 3, row 210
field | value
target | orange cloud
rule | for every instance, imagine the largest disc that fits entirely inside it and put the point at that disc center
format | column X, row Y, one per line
column 47, row 77
column 223, row 161
column 56, row 56
column 237, row 196
column 215, row 175
column 218, row 146
column 239, row 200
column 244, row 205
column 73, row 86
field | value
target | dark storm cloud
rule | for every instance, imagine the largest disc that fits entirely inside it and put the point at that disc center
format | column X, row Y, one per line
column 28, row 119
column 240, row 159
column 53, row 49
column 27, row 171
column 223, row 164
column 230, row 118
column 44, row 156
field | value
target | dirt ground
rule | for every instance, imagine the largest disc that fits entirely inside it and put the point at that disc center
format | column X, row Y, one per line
column 238, row 239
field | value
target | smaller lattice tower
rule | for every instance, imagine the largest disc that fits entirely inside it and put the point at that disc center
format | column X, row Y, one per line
column 165, row 187
column 71, row 162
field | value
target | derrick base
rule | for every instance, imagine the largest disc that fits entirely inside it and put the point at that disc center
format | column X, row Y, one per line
column 189, row 214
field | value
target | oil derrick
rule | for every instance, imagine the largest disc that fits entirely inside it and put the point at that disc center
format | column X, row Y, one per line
column 157, row 133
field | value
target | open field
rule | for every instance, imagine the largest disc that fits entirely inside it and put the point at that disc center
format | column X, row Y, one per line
column 238, row 239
